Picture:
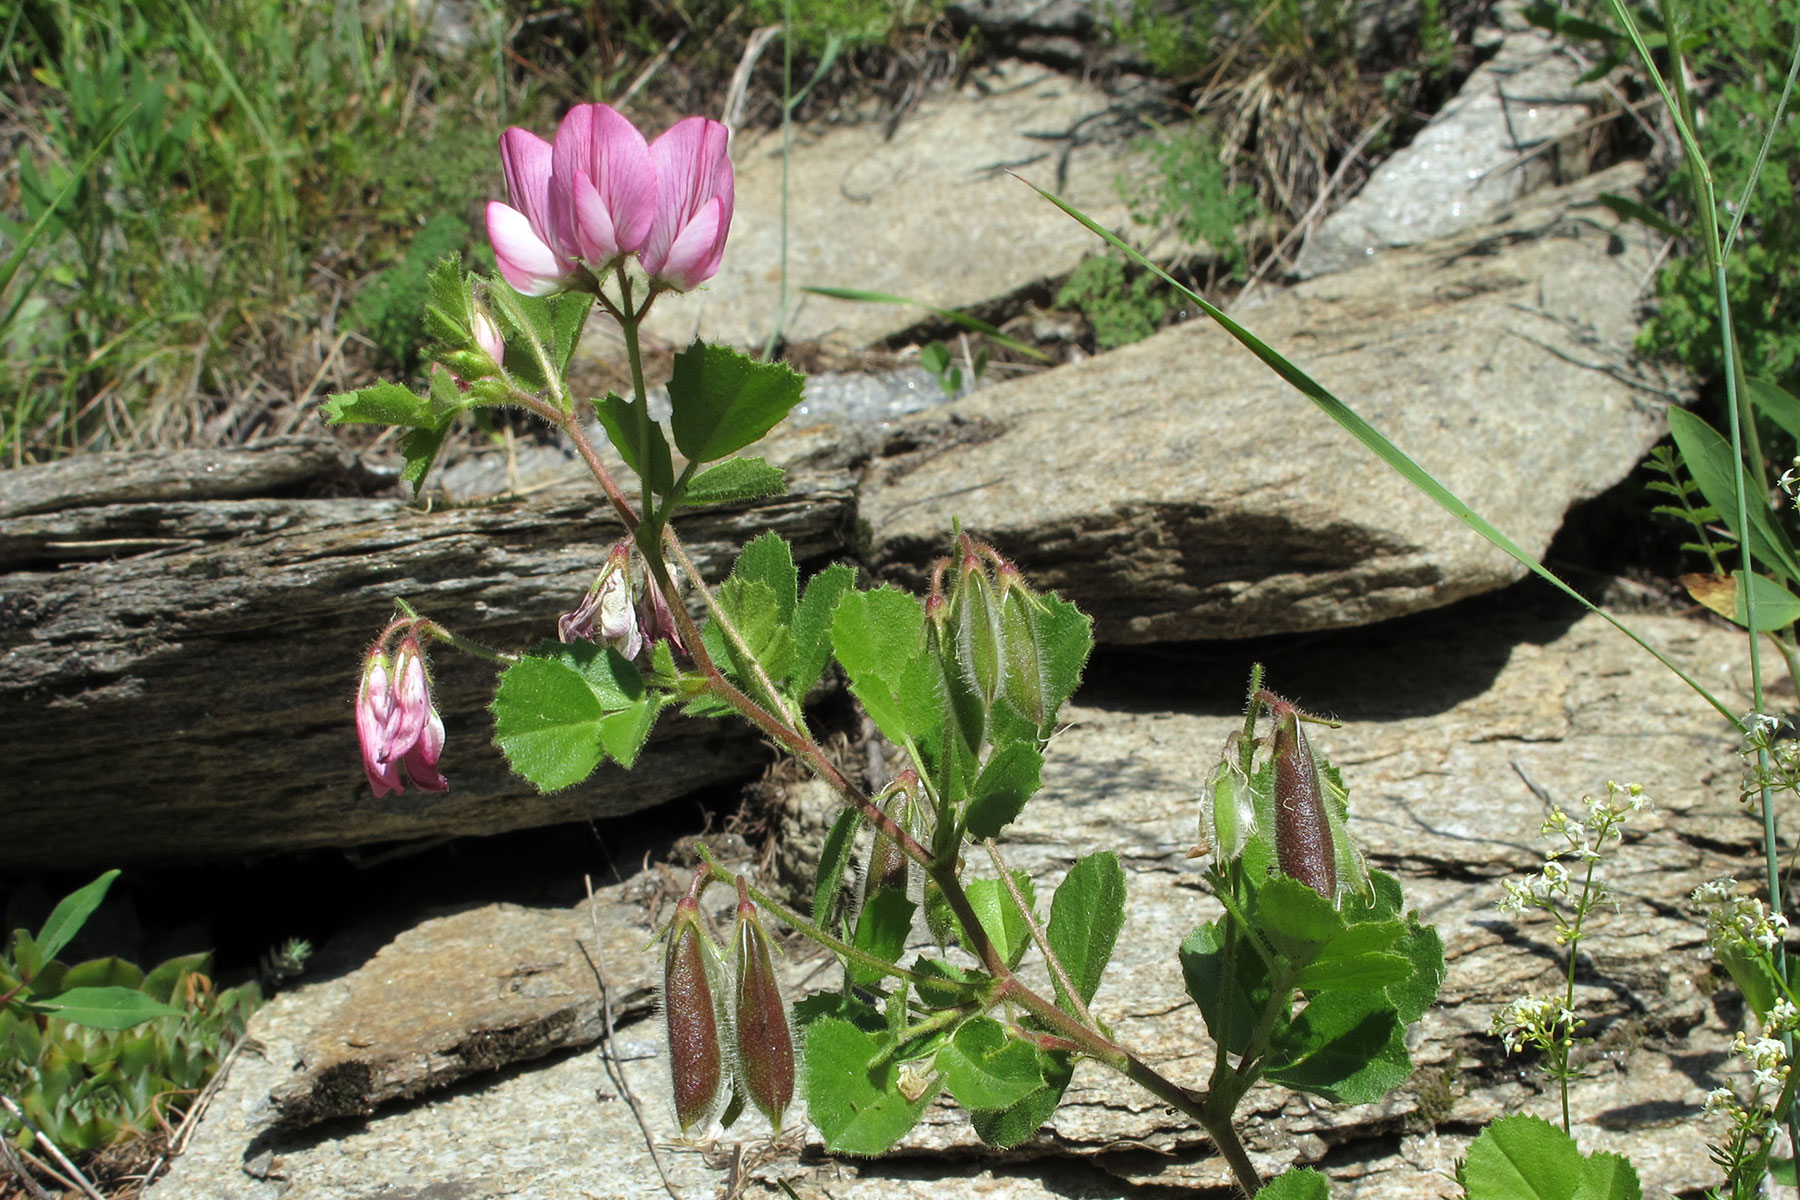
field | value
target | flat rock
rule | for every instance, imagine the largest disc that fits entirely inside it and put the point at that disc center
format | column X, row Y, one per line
column 924, row 210
column 1449, row 760
column 1177, row 488
column 177, row 670
column 1512, row 128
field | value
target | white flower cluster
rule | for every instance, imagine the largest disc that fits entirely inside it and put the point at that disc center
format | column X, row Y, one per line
column 1583, row 841
column 1734, row 921
column 1767, row 1058
column 1790, row 478
column 1533, row 1021
column 1771, row 760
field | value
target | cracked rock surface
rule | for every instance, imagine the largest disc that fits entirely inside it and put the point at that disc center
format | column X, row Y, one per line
column 1450, row 745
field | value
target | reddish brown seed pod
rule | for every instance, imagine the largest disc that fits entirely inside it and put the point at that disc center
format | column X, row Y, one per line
column 696, row 1044
column 1303, row 845
column 764, row 1040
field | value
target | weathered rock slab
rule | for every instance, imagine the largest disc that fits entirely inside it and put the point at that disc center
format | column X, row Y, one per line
column 1179, row 489
column 1501, row 137
column 177, row 672
column 1449, row 747
column 926, row 210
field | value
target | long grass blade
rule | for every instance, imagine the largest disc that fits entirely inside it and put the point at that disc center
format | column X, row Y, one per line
column 1378, row 444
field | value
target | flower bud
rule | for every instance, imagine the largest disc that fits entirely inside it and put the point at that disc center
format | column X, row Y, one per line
column 1227, row 811
column 1024, row 679
column 487, row 337
column 1303, row 842
column 764, row 1041
column 397, row 724
column 690, row 1006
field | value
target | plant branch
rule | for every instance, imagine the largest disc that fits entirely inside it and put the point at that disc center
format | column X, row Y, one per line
column 1057, row 971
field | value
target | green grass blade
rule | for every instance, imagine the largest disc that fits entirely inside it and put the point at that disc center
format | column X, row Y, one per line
column 1378, row 444
column 959, row 318
column 11, row 267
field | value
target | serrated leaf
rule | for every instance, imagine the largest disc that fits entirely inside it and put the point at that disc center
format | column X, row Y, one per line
column 421, row 446
column 619, row 417
column 1608, row 1177
column 568, row 314
column 550, row 707
column 879, row 637
column 1007, row 1127
column 984, row 1068
column 1355, row 971
column 943, row 996
column 840, row 842
column 769, row 559
column 735, row 481
column 1301, row 1183
column 623, row 733
column 857, row 1108
column 378, row 404
column 882, row 928
column 812, row 626
column 1415, row 994
column 755, row 609
column 1347, row 1047
column 1000, row 917
column 1297, row 920
column 1521, row 1158
column 69, row 915
column 448, row 291
column 104, row 1007
column 1066, row 638
column 721, row 401
column 530, row 335
column 1086, row 915
column 1011, row 777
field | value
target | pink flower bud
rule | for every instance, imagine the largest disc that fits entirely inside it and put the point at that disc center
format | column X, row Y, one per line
column 690, row 995
column 397, row 723
column 694, row 192
column 1303, row 843
column 763, row 1040
column 487, row 336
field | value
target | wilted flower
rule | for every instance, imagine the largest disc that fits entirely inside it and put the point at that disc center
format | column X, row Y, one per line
column 694, row 193
column 656, row 618
column 396, row 722
column 606, row 611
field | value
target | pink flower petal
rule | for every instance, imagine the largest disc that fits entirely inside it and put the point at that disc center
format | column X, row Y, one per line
column 694, row 258
column 532, row 267
column 693, row 172
column 603, row 188
column 593, row 224
column 525, row 158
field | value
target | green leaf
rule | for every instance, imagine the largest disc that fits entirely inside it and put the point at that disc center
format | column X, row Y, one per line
column 551, row 710
column 449, row 294
column 421, row 446
column 378, row 404
column 1007, row 1127
column 882, row 928
column 857, row 1108
column 1522, row 1158
column 879, row 637
column 1297, row 920
column 1608, row 1177
column 840, row 842
column 67, row 918
column 1776, row 607
column 1231, row 994
column 755, row 609
column 531, row 353
column 721, row 401
column 619, row 417
column 1066, row 638
column 1086, row 915
column 568, row 313
column 1354, row 971
column 623, row 733
column 1547, row 16
column 1000, row 917
column 984, row 1068
column 943, row 996
column 1347, row 1047
column 105, row 1007
column 812, row 626
column 112, row 972
column 769, row 559
column 1012, row 776
column 160, row 983
column 734, row 481
column 1775, row 403
column 1415, row 994
column 1301, row 1183
column 1707, row 457
column 1631, row 210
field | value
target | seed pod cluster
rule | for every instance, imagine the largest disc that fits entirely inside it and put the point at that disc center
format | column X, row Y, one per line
column 986, row 635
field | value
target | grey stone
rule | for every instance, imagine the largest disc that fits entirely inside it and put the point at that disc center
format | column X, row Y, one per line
column 1178, row 488
column 1450, row 736
column 927, row 210
column 1501, row 137
column 177, row 670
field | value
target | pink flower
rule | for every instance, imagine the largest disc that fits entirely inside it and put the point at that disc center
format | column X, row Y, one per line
column 396, row 722
column 657, row 620
column 693, row 204
column 487, row 336
column 586, row 201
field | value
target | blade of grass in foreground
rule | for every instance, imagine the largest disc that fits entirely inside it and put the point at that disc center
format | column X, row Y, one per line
column 1378, row 444
column 975, row 324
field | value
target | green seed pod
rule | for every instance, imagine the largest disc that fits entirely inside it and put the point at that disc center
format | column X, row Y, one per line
column 889, row 867
column 690, row 1006
column 1227, row 811
column 1023, row 677
column 1303, row 843
column 764, row 1041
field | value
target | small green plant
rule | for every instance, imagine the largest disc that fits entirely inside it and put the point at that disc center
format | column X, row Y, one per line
column 99, row 1051
column 938, row 359
column 385, row 309
column 1123, row 306
column 1194, row 195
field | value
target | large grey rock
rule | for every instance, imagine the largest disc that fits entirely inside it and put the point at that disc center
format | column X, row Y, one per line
column 925, row 210
column 177, row 667
column 1178, row 488
column 1501, row 137
column 1449, row 742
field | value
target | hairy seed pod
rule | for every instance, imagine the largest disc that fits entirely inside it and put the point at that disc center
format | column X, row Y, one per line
column 764, row 1040
column 1303, row 844
column 696, row 1043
